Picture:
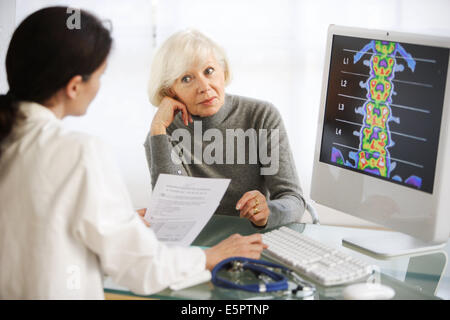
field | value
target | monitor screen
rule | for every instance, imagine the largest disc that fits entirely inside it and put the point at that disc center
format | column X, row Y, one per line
column 383, row 109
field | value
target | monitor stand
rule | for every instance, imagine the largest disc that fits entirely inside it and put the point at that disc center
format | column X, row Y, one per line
column 388, row 245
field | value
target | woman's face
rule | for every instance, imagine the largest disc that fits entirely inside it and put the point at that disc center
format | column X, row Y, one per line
column 201, row 88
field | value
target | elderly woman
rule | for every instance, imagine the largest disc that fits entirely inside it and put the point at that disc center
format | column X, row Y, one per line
column 197, row 124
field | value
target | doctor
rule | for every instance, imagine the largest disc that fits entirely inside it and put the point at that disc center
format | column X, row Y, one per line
column 66, row 218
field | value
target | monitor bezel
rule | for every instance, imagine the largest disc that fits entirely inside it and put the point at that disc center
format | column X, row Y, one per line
column 402, row 210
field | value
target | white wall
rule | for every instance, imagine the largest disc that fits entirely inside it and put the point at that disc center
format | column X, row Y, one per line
column 7, row 24
column 276, row 49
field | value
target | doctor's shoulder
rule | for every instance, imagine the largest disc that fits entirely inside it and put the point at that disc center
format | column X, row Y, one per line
column 74, row 147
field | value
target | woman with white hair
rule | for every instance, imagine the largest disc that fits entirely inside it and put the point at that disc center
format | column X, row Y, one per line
column 197, row 124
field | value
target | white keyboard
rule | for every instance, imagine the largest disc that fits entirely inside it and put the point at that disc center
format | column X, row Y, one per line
column 322, row 264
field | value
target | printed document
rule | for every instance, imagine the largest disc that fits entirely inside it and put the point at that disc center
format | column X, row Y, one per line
column 181, row 206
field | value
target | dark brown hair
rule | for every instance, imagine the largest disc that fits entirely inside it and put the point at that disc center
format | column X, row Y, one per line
column 44, row 54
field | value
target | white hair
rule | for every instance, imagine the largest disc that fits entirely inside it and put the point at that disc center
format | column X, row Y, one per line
column 176, row 55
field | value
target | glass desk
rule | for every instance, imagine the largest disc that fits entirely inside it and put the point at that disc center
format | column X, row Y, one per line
column 412, row 277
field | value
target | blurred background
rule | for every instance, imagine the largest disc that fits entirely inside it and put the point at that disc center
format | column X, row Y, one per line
column 276, row 50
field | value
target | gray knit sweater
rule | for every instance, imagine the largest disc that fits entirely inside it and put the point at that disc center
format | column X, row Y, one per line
column 207, row 156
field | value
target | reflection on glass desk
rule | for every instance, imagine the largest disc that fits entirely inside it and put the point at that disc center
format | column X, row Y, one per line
column 412, row 277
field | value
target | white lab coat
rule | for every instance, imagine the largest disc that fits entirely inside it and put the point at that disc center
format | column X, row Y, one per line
column 66, row 219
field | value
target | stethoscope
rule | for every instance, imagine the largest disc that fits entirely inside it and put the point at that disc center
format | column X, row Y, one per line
column 263, row 270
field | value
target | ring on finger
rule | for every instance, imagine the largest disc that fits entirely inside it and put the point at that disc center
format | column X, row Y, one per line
column 255, row 210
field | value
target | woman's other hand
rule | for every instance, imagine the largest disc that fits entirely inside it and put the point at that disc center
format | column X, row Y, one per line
column 141, row 213
column 235, row 246
column 167, row 111
column 253, row 206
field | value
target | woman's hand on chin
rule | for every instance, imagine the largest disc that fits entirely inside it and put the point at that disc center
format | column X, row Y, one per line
column 167, row 111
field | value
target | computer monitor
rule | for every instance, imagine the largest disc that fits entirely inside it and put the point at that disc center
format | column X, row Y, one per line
column 382, row 137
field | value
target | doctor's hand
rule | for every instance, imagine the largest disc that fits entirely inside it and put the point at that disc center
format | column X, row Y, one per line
column 141, row 213
column 167, row 111
column 253, row 206
column 235, row 245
